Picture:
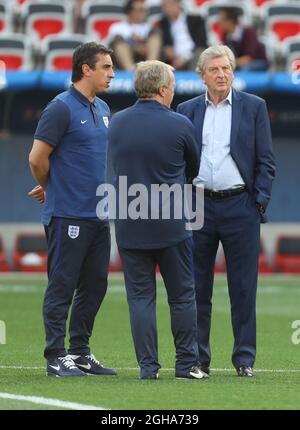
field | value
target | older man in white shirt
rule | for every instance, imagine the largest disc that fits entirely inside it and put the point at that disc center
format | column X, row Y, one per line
column 236, row 170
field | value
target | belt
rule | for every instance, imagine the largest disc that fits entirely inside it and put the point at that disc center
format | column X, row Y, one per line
column 223, row 194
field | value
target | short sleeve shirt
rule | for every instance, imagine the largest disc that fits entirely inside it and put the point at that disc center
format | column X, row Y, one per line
column 77, row 130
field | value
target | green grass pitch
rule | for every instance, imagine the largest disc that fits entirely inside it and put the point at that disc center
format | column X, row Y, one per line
column 22, row 366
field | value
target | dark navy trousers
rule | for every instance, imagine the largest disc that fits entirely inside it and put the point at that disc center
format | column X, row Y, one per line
column 235, row 221
column 78, row 260
column 176, row 267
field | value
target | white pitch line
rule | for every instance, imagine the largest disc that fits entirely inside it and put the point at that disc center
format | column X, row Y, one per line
column 224, row 370
column 23, row 367
column 50, row 402
column 168, row 369
column 120, row 288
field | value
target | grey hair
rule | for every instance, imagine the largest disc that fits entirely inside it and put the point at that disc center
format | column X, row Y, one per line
column 150, row 76
column 214, row 52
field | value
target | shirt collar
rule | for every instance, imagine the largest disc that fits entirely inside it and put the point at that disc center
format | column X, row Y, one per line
column 237, row 34
column 80, row 97
column 228, row 98
column 181, row 18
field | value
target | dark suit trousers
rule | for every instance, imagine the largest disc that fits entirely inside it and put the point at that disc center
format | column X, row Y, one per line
column 235, row 222
column 176, row 266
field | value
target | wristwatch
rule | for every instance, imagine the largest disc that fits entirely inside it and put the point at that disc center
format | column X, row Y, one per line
column 260, row 208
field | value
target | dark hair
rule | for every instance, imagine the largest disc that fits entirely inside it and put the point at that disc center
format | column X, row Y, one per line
column 232, row 13
column 86, row 54
column 129, row 5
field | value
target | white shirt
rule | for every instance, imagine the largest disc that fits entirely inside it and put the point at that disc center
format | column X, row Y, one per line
column 129, row 31
column 218, row 170
column 237, row 34
column 183, row 43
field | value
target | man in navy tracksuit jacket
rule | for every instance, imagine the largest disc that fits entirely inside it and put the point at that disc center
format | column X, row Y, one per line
column 68, row 160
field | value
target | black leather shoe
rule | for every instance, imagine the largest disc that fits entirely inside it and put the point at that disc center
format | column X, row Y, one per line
column 245, row 371
column 204, row 367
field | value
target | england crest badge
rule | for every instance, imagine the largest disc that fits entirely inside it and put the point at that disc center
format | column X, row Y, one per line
column 73, row 231
column 105, row 120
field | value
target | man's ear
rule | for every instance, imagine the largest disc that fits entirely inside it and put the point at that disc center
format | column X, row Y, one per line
column 162, row 91
column 86, row 69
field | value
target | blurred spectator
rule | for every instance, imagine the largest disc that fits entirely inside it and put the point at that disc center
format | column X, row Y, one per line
column 134, row 40
column 249, row 51
column 78, row 21
column 183, row 36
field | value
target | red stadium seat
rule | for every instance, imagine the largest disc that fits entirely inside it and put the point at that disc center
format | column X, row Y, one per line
column 115, row 263
column 12, row 62
column 282, row 20
column 58, row 50
column 220, row 264
column 5, row 16
column 292, row 54
column 258, row 7
column 287, row 255
column 21, row 2
column 263, row 262
column 46, row 18
column 201, row 2
column 30, row 252
column 15, row 51
column 259, row 3
column 4, row 266
column 285, row 29
column 99, row 17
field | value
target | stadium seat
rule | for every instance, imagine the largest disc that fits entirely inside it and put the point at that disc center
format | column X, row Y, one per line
column 291, row 52
column 198, row 7
column 201, row 2
column 282, row 20
column 263, row 262
column 21, row 2
column 15, row 51
column 58, row 50
column 4, row 266
column 154, row 14
column 258, row 10
column 259, row 3
column 287, row 255
column 30, row 252
column 100, row 16
column 220, row 263
column 115, row 263
column 5, row 16
column 46, row 18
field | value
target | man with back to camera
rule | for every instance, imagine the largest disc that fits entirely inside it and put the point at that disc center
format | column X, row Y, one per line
column 149, row 144
column 68, row 160
column 237, row 169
